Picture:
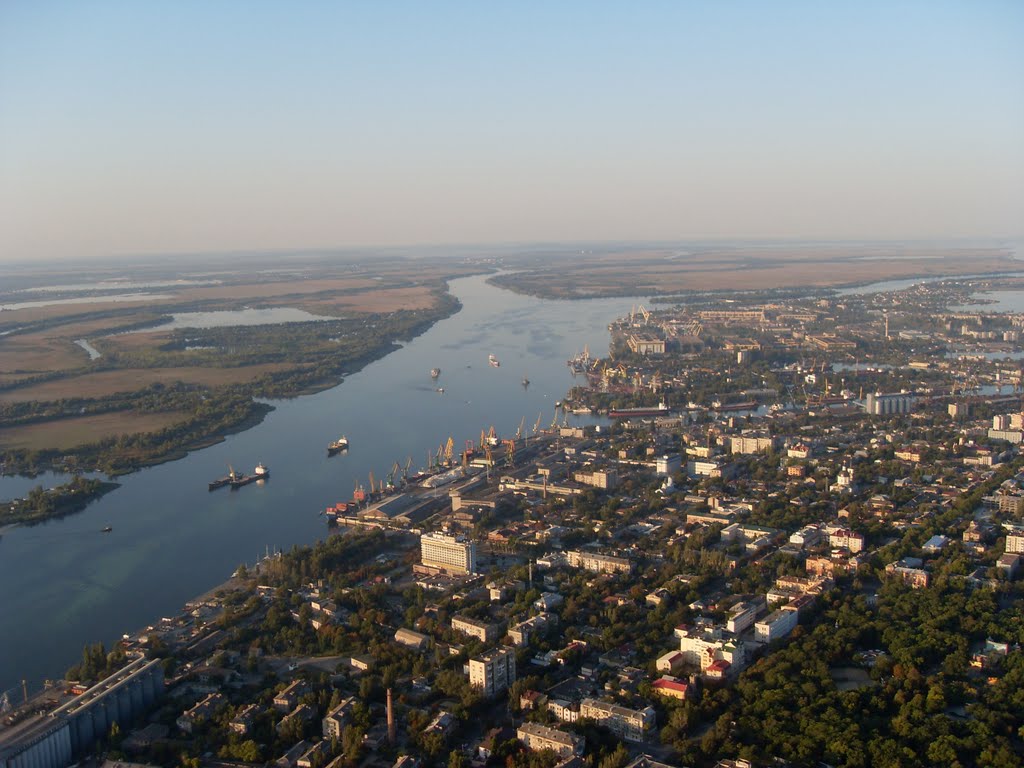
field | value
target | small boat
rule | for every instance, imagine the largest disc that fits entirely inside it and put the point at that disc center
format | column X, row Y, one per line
column 526, row 382
column 441, row 390
column 493, row 361
column 106, row 529
column 341, row 444
column 435, row 372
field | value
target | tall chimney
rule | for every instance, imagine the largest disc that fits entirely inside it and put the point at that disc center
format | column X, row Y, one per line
column 391, row 721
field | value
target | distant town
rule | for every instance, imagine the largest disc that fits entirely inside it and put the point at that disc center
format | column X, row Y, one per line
column 796, row 540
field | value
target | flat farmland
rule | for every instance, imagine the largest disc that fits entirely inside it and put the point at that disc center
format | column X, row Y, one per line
column 664, row 272
column 106, row 383
column 40, row 353
column 65, row 434
column 382, row 300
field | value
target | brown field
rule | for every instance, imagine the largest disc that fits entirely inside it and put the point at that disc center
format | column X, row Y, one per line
column 383, row 300
column 273, row 290
column 39, row 352
column 34, row 314
column 107, row 383
column 64, row 434
column 652, row 272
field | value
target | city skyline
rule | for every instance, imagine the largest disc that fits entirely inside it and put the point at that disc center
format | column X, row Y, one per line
column 186, row 127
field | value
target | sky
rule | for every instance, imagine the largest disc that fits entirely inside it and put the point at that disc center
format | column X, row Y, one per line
column 193, row 126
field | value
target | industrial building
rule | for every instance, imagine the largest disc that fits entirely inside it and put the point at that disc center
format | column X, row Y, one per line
column 55, row 739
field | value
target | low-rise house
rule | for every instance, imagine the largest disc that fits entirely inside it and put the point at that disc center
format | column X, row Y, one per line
column 628, row 724
column 481, row 630
column 243, row 721
column 200, row 713
column 672, row 687
column 337, row 718
column 286, row 700
column 539, row 737
column 315, row 756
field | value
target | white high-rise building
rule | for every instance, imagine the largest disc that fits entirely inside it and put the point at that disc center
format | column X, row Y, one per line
column 449, row 553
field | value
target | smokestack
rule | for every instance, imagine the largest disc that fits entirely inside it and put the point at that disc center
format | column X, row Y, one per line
column 391, row 721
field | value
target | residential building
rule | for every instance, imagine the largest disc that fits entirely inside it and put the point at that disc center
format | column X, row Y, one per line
column 452, row 554
column 846, row 539
column 538, row 737
column 672, row 687
column 493, row 672
column 599, row 563
column 628, row 724
column 605, row 479
column 482, row 630
column 776, row 625
column 334, row 723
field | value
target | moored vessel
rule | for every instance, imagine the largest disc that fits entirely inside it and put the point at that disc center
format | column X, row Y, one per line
column 260, row 473
column 220, row 482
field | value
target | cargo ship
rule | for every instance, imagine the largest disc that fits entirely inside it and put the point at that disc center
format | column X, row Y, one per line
column 341, row 444
column 493, row 361
column 628, row 413
column 220, row 482
column 260, row 473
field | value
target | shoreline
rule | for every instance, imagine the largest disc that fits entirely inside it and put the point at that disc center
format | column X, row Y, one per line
column 449, row 307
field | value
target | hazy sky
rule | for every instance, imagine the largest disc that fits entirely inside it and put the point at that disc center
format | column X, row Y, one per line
column 144, row 126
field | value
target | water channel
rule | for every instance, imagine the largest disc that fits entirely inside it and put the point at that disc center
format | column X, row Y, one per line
column 65, row 583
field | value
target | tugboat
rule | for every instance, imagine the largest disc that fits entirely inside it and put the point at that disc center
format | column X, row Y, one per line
column 435, row 372
column 341, row 444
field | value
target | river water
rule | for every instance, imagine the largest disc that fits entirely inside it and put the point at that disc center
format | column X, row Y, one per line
column 64, row 583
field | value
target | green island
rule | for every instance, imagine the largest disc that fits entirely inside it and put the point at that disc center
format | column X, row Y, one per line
column 46, row 504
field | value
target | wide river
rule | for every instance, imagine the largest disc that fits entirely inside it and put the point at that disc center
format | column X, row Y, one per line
column 64, row 583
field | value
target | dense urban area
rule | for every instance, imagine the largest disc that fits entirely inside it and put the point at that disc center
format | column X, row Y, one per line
column 797, row 540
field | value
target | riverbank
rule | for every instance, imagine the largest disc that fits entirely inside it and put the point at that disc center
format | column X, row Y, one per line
column 208, row 414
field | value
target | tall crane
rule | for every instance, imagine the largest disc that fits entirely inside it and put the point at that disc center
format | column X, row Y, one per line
column 510, row 452
column 536, row 427
column 449, row 449
column 519, row 431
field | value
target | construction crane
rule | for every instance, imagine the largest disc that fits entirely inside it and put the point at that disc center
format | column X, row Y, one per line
column 646, row 314
column 449, row 449
column 554, row 421
column 405, row 470
column 510, row 452
column 536, row 427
